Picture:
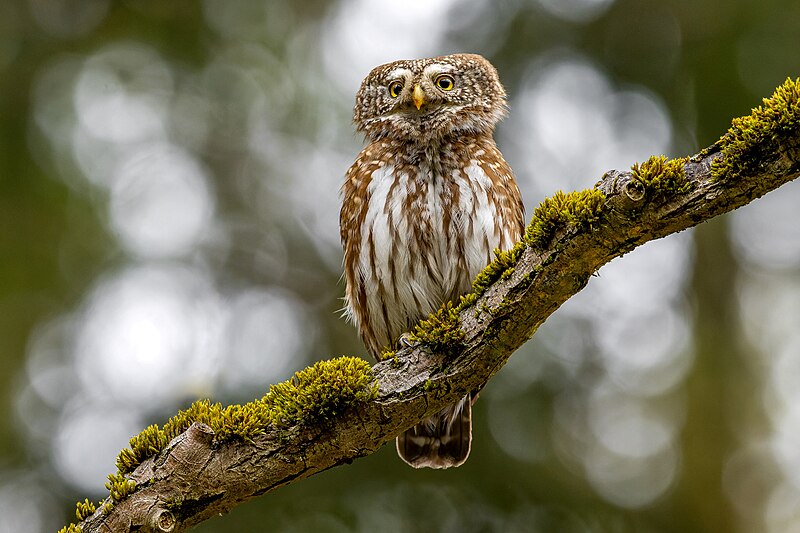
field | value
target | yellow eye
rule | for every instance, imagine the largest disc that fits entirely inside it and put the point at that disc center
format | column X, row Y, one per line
column 395, row 88
column 445, row 82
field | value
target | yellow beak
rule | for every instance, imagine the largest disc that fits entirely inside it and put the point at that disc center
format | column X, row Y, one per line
column 419, row 96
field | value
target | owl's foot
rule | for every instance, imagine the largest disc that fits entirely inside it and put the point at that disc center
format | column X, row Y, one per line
column 406, row 340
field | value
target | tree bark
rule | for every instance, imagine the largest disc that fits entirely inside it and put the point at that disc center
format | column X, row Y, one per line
column 195, row 478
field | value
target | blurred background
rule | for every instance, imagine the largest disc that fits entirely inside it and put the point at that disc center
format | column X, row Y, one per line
column 169, row 177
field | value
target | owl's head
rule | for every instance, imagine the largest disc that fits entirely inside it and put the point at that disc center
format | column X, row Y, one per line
column 422, row 100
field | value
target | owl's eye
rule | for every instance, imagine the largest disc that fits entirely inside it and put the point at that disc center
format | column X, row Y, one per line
column 445, row 82
column 395, row 88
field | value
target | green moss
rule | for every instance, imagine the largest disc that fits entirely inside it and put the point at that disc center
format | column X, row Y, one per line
column 241, row 422
column 202, row 411
column 575, row 210
column 127, row 461
column 320, row 392
column 441, row 330
column 469, row 299
column 119, row 487
column 172, row 504
column 147, row 443
column 390, row 355
column 313, row 395
column 84, row 510
column 503, row 261
column 754, row 142
column 72, row 528
column 316, row 393
column 661, row 176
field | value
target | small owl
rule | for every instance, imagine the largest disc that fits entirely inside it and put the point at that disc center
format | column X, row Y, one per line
column 424, row 206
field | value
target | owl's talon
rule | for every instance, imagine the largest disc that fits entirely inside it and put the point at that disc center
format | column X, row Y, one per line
column 406, row 340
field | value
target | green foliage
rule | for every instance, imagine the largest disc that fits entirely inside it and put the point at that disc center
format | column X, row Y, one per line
column 661, row 176
column 754, row 142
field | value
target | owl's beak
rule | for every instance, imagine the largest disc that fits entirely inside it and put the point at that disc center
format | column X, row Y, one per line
column 418, row 96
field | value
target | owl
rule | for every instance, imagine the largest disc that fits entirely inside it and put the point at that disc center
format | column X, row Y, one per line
column 425, row 205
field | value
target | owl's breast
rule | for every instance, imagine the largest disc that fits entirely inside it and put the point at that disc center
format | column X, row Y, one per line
column 425, row 236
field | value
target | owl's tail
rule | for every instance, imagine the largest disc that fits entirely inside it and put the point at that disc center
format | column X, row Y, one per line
column 441, row 441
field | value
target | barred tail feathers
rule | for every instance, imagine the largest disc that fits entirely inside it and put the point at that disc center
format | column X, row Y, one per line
column 441, row 441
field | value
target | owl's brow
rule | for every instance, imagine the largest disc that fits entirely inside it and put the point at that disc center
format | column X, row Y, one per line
column 398, row 73
column 437, row 68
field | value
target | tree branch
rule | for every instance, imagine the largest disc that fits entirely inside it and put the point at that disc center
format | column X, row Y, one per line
column 203, row 472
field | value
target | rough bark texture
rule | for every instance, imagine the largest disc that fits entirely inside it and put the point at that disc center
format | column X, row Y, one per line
column 194, row 478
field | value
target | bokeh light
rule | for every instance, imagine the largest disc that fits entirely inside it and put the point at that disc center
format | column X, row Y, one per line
column 765, row 235
column 122, row 93
column 25, row 506
column 160, row 205
column 169, row 212
column 370, row 33
column 87, row 441
column 149, row 334
column 264, row 333
column 569, row 122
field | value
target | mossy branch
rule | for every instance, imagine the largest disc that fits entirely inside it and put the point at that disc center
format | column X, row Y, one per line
column 209, row 458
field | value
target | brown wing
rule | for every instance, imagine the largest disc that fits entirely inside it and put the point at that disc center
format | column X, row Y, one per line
column 505, row 192
column 355, row 202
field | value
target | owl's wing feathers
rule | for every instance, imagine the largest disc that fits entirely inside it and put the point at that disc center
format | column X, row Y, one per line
column 355, row 202
column 504, row 194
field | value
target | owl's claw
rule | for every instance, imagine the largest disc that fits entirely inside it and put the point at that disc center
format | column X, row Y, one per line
column 406, row 340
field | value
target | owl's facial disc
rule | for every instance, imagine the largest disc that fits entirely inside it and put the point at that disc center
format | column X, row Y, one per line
column 419, row 93
column 427, row 99
column 423, row 100
column 421, row 111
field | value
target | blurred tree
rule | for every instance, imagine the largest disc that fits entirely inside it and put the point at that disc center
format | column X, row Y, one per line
column 168, row 184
